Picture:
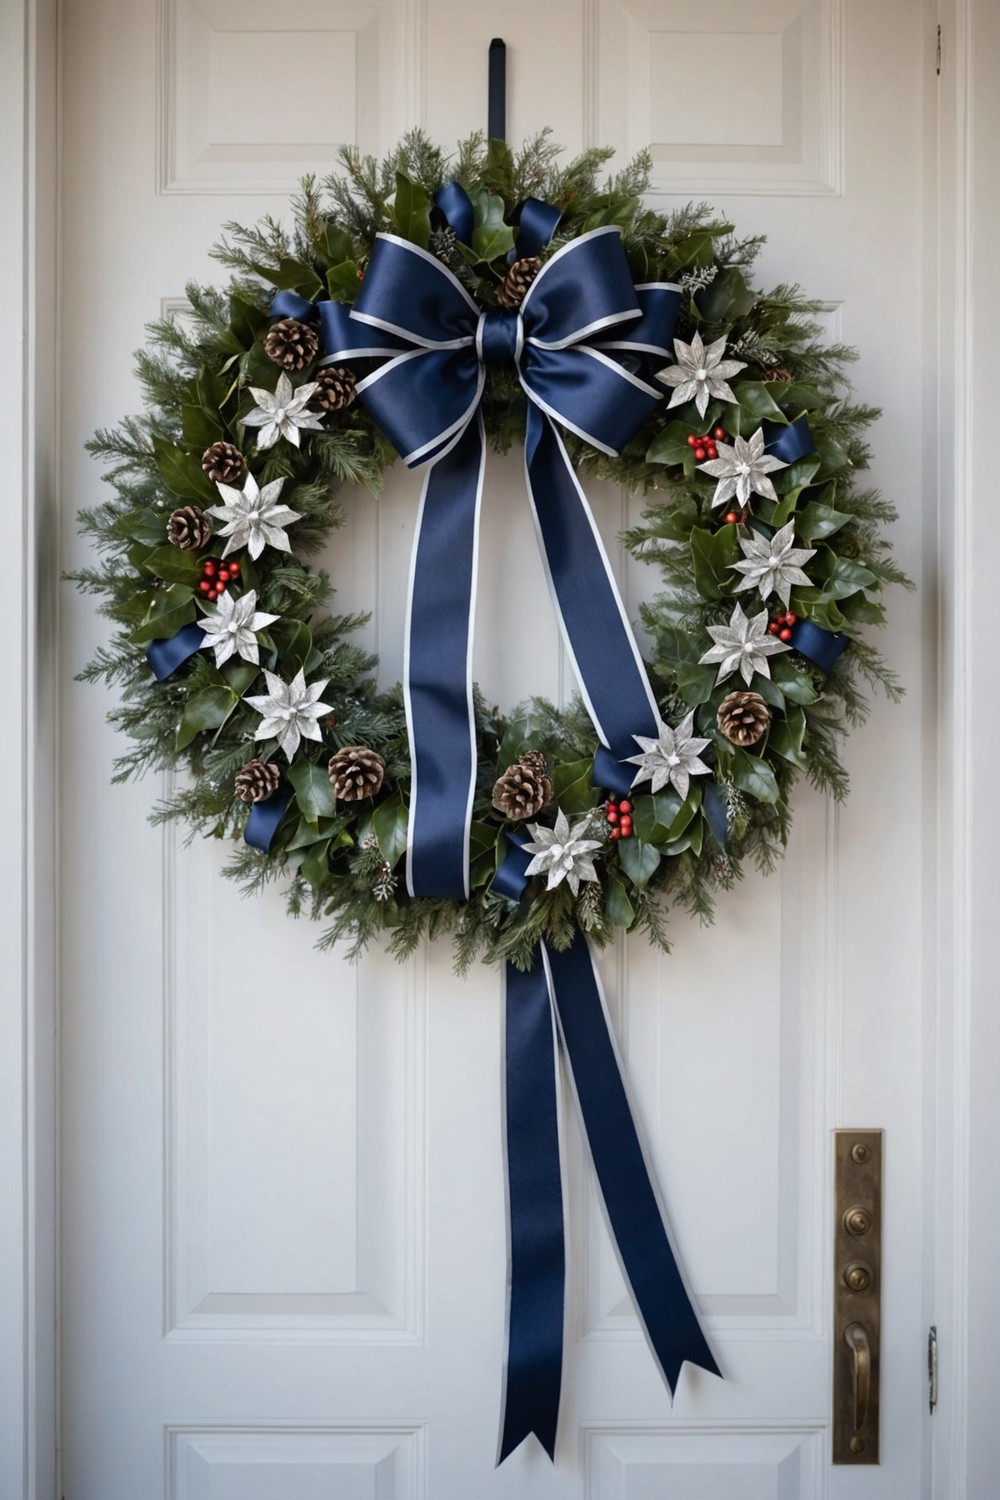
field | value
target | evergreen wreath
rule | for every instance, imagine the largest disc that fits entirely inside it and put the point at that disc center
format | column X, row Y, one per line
column 247, row 450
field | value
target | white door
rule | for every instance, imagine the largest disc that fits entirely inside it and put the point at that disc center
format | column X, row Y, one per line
column 282, row 1218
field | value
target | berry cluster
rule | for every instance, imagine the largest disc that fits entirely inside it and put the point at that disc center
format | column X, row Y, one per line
column 781, row 626
column 704, row 447
column 619, row 815
column 215, row 576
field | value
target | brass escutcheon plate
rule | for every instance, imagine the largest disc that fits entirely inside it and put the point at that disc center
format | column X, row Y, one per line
column 857, row 1283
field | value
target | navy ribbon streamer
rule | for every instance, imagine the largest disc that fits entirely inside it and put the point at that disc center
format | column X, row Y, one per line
column 165, row 656
column 820, row 646
column 289, row 304
column 265, row 816
column 580, row 328
column 496, row 116
column 791, row 442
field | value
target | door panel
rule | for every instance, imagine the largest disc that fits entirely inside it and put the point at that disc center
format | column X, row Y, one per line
column 283, row 1244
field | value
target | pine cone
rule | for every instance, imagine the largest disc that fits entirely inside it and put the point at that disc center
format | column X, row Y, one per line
column 224, row 463
column 517, row 281
column 189, row 528
column 524, row 788
column 255, row 781
column 334, row 388
column 356, row 772
column 743, row 717
column 291, row 344
column 778, row 372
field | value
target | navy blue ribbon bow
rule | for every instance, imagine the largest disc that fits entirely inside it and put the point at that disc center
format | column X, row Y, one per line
column 576, row 342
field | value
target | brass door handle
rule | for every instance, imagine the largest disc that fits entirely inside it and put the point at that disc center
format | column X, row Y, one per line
column 856, row 1340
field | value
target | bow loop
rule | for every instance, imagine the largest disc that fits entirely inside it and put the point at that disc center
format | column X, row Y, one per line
column 585, row 288
column 407, row 291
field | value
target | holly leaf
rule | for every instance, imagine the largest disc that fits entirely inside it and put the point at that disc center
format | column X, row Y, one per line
column 638, row 859
column 671, row 446
column 207, row 709
column 182, row 472
column 174, row 566
column 754, row 776
column 726, row 298
column 313, row 791
column 795, row 683
column 712, row 553
column 571, row 786
column 617, row 907
column 491, row 237
column 757, row 403
column 169, row 610
column 390, row 822
column 786, row 735
column 291, row 276
column 143, row 525
column 294, row 647
column 343, row 281
column 199, row 427
column 816, row 522
column 411, row 211
column 316, row 865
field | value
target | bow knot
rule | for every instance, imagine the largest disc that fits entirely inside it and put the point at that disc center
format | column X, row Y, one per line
column 499, row 336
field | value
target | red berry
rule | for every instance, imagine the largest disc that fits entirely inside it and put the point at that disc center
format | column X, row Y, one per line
column 791, row 619
column 784, row 634
column 626, row 828
column 204, row 586
column 773, row 628
column 692, row 441
column 625, row 806
column 612, row 815
column 711, row 450
column 700, row 455
column 732, row 517
column 616, row 833
column 719, row 433
column 208, row 567
column 234, row 569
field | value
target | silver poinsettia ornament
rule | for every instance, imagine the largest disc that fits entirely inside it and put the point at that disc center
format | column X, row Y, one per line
column 700, row 373
column 290, row 711
column 563, row 852
column 773, row 564
column 231, row 628
column 742, row 469
column 283, row 413
column 673, row 758
column 742, row 646
column 253, row 518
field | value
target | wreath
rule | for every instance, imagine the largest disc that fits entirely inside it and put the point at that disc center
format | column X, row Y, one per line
column 428, row 307
column 251, row 442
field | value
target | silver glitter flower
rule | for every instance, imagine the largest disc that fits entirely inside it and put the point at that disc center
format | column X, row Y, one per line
column 253, row 517
column 282, row 414
column 672, row 759
column 743, row 645
column 290, row 711
column 700, row 373
column 742, row 468
column 231, row 628
column 563, row 851
column 773, row 564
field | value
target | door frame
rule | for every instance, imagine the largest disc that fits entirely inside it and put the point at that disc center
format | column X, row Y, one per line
column 961, row 1022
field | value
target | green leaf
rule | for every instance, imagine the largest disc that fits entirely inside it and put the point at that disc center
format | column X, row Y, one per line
column 316, row 865
column 696, row 684
column 143, row 525
column 824, row 612
column 174, row 566
column 816, row 522
column 293, row 646
column 411, row 211
column 491, row 237
column 571, row 786
column 639, row 860
column 864, row 610
column 293, row 276
column 671, row 446
column 757, row 403
column 240, row 675
column 797, row 476
column 786, row 735
column 207, row 709
column 712, row 552
column 839, row 576
column 389, row 823
column 483, row 856
column 182, row 472
column 307, row 834
column 199, row 427
column 617, row 907
column 754, row 776
column 343, row 281
column 697, row 249
column 246, row 319
column 726, row 298
column 337, row 245
column 691, row 839
column 313, row 791
column 169, row 610
column 794, row 682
